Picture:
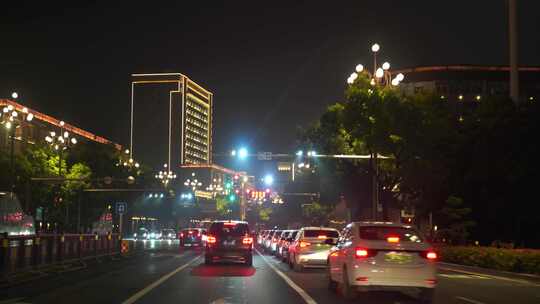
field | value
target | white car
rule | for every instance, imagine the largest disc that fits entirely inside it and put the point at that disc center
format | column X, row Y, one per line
column 381, row 255
column 311, row 247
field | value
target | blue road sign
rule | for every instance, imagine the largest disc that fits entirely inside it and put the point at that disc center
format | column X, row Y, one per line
column 121, row 207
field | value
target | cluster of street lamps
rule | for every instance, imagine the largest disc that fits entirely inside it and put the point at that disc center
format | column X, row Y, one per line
column 166, row 176
column 192, row 183
column 11, row 119
column 129, row 162
column 380, row 75
column 60, row 142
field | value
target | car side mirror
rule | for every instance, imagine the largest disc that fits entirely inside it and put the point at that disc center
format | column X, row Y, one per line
column 330, row 242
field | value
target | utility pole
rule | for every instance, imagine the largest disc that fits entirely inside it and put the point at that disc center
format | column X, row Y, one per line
column 513, row 39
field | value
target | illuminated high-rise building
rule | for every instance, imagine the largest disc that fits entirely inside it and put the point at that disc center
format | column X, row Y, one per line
column 197, row 125
column 185, row 137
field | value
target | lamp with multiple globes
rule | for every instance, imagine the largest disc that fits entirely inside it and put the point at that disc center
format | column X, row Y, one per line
column 380, row 75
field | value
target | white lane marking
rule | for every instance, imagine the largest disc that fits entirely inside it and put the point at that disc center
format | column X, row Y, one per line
column 13, row 301
column 164, row 278
column 307, row 298
column 490, row 276
column 469, row 300
column 462, row 276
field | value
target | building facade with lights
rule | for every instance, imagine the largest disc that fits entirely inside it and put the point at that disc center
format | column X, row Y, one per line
column 469, row 83
column 189, row 116
column 39, row 127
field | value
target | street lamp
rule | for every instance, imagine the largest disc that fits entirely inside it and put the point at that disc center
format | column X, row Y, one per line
column 379, row 75
column 242, row 153
column 14, row 95
column 166, row 175
column 10, row 118
column 268, row 180
column 60, row 142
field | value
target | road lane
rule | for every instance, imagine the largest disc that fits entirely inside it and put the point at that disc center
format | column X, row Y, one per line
column 224, row 283
column 453, row 288
column 117, row 281
column 103, row 281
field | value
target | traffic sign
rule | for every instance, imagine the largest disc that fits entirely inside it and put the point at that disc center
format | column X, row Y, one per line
column 264, row 155
column 121, row 207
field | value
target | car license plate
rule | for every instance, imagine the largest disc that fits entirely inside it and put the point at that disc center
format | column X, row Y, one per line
column 398, row 257
column 228, row 243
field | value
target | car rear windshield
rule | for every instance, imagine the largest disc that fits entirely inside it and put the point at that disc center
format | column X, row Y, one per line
column 315, row 233
column 226, row 229
column 382, row 233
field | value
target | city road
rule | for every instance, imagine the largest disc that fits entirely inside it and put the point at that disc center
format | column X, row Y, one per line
column 166, row 274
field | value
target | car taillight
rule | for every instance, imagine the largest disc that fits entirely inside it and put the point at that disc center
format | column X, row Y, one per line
column 247, row 241
column 211, row 239
column 304, row 244
column 181, row 235
column 431, row 255
column 361, row 253
column 392, row 239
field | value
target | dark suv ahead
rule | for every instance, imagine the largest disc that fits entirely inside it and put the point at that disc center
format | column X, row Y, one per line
column 229, row 240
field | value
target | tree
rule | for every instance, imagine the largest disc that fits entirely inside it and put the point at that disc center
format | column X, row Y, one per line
column 455, row 221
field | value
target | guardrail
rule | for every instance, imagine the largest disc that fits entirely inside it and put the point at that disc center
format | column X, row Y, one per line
column 18, row 253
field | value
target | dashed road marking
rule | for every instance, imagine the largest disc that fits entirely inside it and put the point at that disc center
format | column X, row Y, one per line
column 469, row 300
column 307, row 298
column 164, row 278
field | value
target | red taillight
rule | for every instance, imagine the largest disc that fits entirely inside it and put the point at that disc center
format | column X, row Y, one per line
column 229, row 224
column 304, row 244
column 392, row 239
column 211, row 239
column 334, row 254
column 247, row 240
column 361, row 253
column 181, row 235
column 431, row 255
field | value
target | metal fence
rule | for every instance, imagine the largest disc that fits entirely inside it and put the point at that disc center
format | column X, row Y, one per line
column 35, row 251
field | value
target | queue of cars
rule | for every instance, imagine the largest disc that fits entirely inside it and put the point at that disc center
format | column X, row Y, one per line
column 188, row 236
column 364, row 256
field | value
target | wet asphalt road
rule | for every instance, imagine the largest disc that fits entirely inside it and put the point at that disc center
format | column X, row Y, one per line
column 166, row 274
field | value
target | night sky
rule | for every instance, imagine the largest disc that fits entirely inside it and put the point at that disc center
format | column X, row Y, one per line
column 271, row 68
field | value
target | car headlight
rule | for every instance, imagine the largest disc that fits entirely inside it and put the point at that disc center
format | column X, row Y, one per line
column 134, row 235
column 144, row 234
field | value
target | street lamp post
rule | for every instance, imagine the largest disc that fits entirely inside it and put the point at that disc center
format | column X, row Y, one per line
column 165, row 176
column 62, row 142
column 59, row 143
column 13, row 119
column 383, row 77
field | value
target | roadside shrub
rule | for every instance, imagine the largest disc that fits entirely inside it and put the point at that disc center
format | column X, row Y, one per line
column 516, row 260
